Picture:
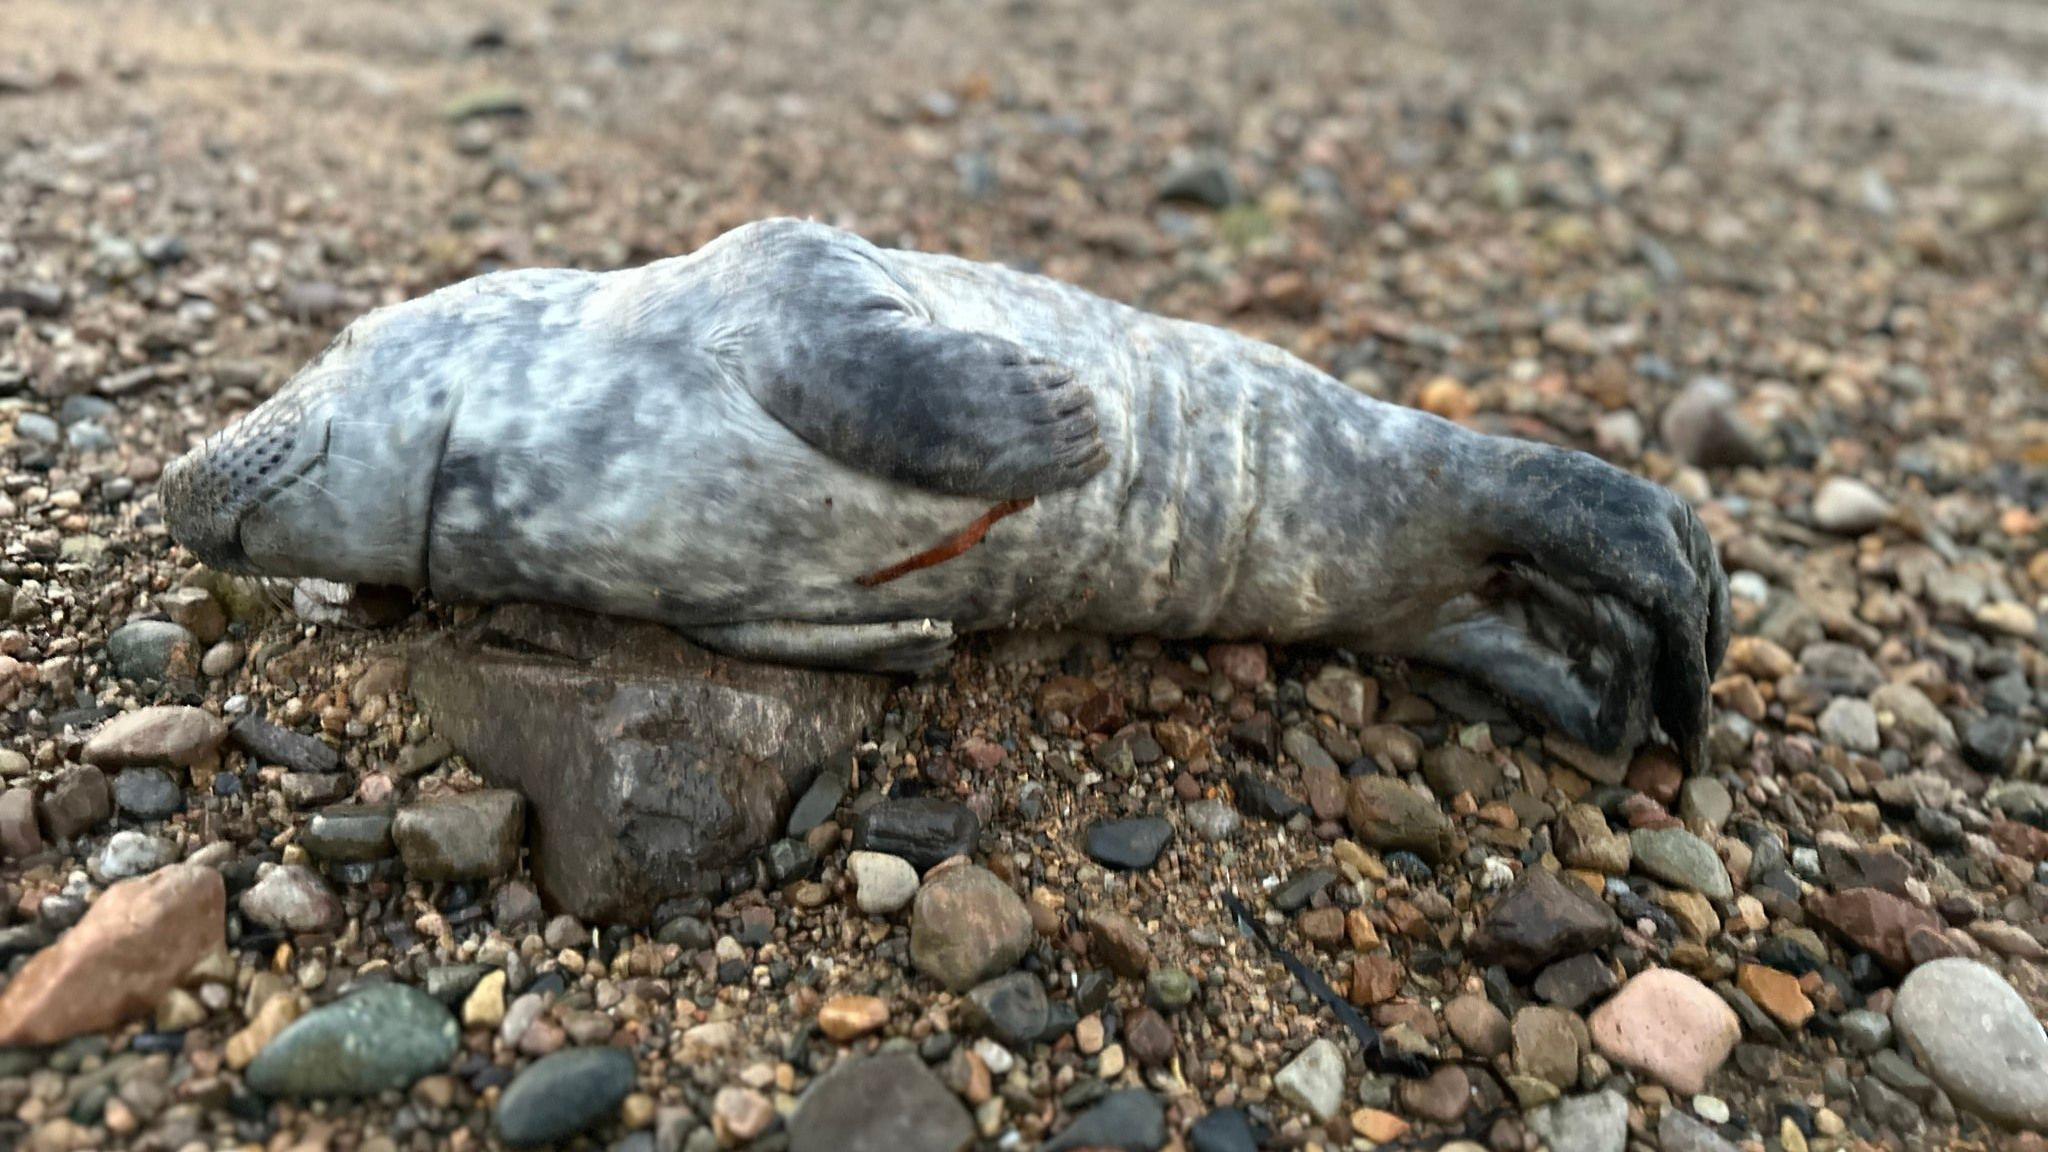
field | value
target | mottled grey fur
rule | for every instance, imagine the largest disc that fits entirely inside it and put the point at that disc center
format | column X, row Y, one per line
column 726, row 441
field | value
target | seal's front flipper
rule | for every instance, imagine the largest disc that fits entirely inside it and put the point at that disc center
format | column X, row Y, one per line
column 890, row 646
column 848, row 360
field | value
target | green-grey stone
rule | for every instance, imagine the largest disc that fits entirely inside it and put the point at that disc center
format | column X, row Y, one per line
column 376, row 1040
column 562, row 1094
column 1681, row 859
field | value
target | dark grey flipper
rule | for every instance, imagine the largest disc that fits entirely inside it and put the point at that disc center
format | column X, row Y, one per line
column 1627, row 568
column 890, row 646
column 853, row 364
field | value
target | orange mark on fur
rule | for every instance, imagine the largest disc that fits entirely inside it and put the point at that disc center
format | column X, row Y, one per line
column 946, row 549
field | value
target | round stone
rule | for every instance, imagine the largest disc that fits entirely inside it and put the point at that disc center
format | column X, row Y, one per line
column 376, row 1040
column 1977, row 1039
column 563, row 1094
column 882, row 884
column 147, row 794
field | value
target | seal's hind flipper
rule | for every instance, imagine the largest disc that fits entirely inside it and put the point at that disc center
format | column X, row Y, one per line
column 848, row 360
column 890, row 646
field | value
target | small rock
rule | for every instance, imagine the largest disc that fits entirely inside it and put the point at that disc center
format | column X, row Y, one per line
column 1212, row 820
column 1482, row 1029
column 470, row 836
column 1542, row 918
column 349, row 833
column 1677, row 1132
column 1393, row 817
column 563, row 1094
column 266, row 743
column 1875, row 921
column 889, row 1102
column 967, row 926
column 484, row 1007
column 1585, row 841
column 1849, row 507
column 1132, row 845
column 1207, row 181
column 1314, row 1080
column 196, row 611
column 375, row 1040
column 147, row 794
column 1977, row 1038
column 845, row 1018
column 882, row 884
column 1575, row 981
column 1012, row 1008
column 77, row 801
column 1121, row 944
column 1705, row 428
column 129, row 853
column 134, row 944
column 1225, row 1130
column 1680, row 858
column 1667, row 1026
column 20, row 837
column 818, row 803
column 1546, row 1045
column 1597, row 1122
column 1442, row 1097
column 1130, row 1121
column 1777, row 993
column 740, row 1114
column 293, row 898
column 1850, row 724
column 922, row 830
column 1345, row 694
column 174, row 735
column 152, row 650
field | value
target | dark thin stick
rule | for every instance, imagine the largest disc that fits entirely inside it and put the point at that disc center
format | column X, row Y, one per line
column 1377, row 1057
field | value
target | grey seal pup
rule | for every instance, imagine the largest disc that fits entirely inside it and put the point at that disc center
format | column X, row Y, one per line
column 794, row 445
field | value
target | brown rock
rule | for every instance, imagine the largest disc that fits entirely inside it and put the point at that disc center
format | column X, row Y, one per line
column 136, row 942
column 2022, row 840
column 1481, row 1028
column 1656, row 773
column 1375, row 979
column 19, row 834
column 1378, row 1127
column 1391, row 816
column 1877, row 922
column 1441, row 1098
column 846, row 1018
column 1323, row 926
column 1121, row 944
column 1539, row 919
column 650, row 765
column 1777, row 993
column 966, row 926
column 172, row 735
column 1546, row 1042
column 1150, row 1038
column 1242, row 664
column 78, row 800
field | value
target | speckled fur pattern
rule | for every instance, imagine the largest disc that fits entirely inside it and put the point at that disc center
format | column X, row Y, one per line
column 723, row 439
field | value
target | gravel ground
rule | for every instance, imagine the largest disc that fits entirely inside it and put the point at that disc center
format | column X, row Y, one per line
column 1791, row 259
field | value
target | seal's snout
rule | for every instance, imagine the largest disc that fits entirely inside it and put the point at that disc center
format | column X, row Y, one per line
column 208, row 492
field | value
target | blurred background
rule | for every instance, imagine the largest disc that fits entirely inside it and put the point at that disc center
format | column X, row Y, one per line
column 1534, row 215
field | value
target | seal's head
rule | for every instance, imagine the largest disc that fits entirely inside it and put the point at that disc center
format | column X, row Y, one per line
column 331, row 477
